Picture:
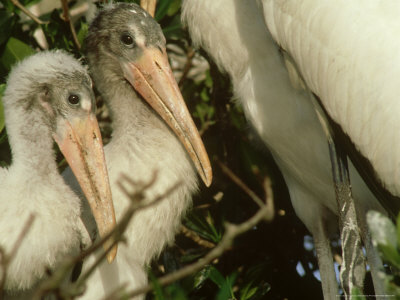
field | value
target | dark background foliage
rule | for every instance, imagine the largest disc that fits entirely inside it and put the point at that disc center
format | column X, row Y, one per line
column 264, row 262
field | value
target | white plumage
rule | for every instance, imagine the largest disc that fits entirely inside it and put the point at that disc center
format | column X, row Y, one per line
column 348, row 54
column 122, row 40
column 321, row 36
column 37, row 109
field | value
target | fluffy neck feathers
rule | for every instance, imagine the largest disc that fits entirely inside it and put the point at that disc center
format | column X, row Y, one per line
column 30, row 140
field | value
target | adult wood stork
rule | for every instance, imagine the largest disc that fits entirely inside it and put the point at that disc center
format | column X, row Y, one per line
column 49, row 96
column 332, row 45
column 127, row 57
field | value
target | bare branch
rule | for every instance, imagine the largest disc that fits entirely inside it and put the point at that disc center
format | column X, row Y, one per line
column 135, row 197
column 269, row 203
column 241, row 184
column 196, row 238
column 53, row 283
column 67, row 18
column 231, row 232
column 28, row 13
column 205, row 126
column 149, row 6
column 80, row 9
column 24, row 232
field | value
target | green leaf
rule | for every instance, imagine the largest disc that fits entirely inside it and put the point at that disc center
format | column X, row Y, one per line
column 6, row 25
column 390, row 254
column 58, row 33
column 162, row 8
column 263, row 289
column 173, row 29
column 208, row 81
column 193, row 255
column 392, row 287
column 357, row 294
column 201, row 277
column 82, row 32
column 204, row 227
column 3, row 137
column 248, row 291
column 174, row 7
column 225, row 285
column 15, row 51
column 175, row 292
column 2, row 88
column 158, row 292
column 204, row 95
column 216, row 277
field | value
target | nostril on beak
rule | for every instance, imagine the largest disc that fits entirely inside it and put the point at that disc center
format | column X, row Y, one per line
column 158, row 66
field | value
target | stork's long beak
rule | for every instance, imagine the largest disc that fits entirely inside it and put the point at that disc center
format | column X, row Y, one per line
column 152, row 77
column 80, row 142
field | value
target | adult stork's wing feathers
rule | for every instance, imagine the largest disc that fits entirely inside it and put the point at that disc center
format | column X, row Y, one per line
column 390, row 202
column 355, row 75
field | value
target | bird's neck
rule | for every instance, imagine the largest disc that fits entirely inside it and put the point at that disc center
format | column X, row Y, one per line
column 29, row 152
column 131, row 116
column 140, row 134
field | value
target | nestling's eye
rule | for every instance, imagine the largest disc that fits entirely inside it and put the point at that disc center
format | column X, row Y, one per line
column 126, row 39
column 73, row 99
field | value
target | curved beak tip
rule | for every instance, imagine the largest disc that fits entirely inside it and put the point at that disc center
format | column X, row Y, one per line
column 207, row 177
column 152, row 77
column 111, row 254
column 85, row 156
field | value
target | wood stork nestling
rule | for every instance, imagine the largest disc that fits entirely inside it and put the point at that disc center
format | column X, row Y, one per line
column 345, row 53
column 127, row 58
column 49, row 96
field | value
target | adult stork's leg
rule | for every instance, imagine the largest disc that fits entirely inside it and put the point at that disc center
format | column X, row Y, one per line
column 351, row 212
column 364, row 202
column 374, row 261
column 322, row 223
column 325, row 262
column 373, row 258
column 352, row 271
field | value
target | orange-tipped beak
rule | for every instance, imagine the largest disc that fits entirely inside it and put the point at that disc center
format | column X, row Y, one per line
column 80, row 142
column 152, row 77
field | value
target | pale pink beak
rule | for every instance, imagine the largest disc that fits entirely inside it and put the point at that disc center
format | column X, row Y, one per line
column 80, row 142
column 152, row 77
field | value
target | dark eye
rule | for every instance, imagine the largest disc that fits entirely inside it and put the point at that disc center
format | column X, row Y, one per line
column 127, row 39
column 73, row 99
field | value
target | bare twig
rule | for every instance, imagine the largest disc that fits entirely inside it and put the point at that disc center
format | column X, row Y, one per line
column 188, row 65
column 24, row 232
column 149, row 6
column 196, row 238
column 7, row 258
column 79, row 10
column 135, row 198
column 205, row 126
column 241, row 184
column 53, row 283
column 231, row 232
column 269, row 203
column 67, row 18
column 28, row 13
